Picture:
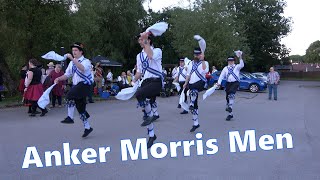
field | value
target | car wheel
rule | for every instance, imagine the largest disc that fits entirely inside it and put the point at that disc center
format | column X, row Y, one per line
column 254, row 88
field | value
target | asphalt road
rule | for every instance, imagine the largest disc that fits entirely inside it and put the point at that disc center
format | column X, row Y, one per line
column 296, row 112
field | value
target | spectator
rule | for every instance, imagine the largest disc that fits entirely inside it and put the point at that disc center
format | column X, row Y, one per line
column 213, row 69
column 34, row 89
column 123, row 81
column 23, row 74
column 1, row 85
column 51, row 68
column 273, row 80
column 58, row 89
column 134, row 70
column 90, row 100
column 98, row 76
column 129, row 77
column 109, row 77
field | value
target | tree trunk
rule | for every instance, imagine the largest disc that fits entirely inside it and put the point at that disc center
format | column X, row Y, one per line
column 10, row 83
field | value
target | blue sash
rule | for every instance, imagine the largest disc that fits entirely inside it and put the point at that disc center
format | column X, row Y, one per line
column 231, row 72
column 87, row 79
column 180, row 73
column 195, row 69
column 146, row 67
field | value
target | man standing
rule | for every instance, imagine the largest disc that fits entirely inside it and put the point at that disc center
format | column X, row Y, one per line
column 80, row 70
column 98, row 77
column 149, row 66
column 273, row 81
column 181, row 76
column 231, row 74
column 196, row 71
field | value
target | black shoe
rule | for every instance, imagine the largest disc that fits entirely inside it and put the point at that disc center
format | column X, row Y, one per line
column 32, row 115
column 229, row 117
column 155, row 117
column 147, row 121
column 37, row 112
column 194, row 128
column 275, row 99
column 269, row 98
column 67, row 120
column 150, row 141
column 179, row 106
column 144, row 117
column 229, row 109
column 87, row 132
column 191, row 108
column 44, row 112
column 184, row 112
column 91, row 101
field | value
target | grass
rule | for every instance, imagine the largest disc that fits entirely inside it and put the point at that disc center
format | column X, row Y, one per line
column 16, row 101
column 11, row 101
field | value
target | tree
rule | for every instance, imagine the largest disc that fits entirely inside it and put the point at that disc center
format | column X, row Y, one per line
column 297, row 58
column 212, row 21
column 30, row 28
column 313, row 52
column 264, row 26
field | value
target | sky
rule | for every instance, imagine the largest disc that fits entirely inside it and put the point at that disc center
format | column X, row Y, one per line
column 305, row 15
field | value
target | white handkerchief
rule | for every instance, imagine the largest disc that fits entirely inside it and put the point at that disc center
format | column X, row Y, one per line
column 238, row 53
column 182, row 101
column 158, row 29
column 202, row 42
column 45, row 98
column 54, row 56
column 209, row 92
column 127, row 93
column 177, row 86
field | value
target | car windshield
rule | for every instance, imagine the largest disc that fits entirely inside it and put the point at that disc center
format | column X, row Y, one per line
column 248, row 75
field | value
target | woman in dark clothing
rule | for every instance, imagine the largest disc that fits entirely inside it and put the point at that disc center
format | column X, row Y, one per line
column 34, row 89
column 1, row 85
column 23, row 74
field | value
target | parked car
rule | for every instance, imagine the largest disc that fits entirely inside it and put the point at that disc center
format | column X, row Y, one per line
column 247, row 82
column 261, row 75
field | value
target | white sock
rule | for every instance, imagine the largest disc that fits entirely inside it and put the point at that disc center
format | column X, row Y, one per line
column 86, row 124
column 71, row 112
column 154, row 107
column 195, row 117
column 150, row 128
column 148, row 110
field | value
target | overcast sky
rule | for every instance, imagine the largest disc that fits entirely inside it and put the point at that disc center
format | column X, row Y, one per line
column 305, row 15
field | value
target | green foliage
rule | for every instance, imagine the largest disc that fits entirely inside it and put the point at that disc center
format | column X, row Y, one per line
column 313, row 53
column 30, row 28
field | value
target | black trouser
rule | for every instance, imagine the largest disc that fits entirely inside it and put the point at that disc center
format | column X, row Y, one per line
column 150, row 88
column 54, row 98
column 231, row 88
column 90, row 93
column 185, row 91
column 198, row 86
column 34, row 106
column 79, row 93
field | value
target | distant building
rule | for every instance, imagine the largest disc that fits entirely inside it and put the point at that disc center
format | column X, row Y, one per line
column 305, row 67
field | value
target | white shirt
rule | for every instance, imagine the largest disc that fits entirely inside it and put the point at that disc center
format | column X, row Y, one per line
column 124, row 80
column 175, row 72
column 154, row 63
column 75, row 77
column 194, row 77
column 236, row 71
column 180, row 77
column 109, row 76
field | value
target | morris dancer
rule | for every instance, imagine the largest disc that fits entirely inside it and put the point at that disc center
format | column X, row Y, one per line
column 80, row 70
column 231, row 74
column 149, row 66
column 196, row 71
column 181, row 79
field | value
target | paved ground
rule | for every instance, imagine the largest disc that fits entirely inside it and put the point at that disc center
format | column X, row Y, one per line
column 296, row 112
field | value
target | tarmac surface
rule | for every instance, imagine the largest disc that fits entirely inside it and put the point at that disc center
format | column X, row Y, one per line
column 296, row 112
